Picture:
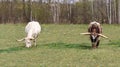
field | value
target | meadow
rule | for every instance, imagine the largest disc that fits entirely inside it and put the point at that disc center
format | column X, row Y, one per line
column 59, row 46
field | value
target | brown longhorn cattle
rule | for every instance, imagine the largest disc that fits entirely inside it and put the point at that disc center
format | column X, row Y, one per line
column 95, row 30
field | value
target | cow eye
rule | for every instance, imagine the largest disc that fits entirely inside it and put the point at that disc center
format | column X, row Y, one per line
column 30, row 39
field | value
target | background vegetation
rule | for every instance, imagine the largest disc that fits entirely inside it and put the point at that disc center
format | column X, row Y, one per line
column 60, row 11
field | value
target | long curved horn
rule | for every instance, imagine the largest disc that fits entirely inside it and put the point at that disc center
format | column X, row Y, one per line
column 102, row 35
column 85, row 33
column 21, row 39
column 98, row 34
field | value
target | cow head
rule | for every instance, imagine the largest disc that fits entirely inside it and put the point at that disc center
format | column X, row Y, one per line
column 28, row 41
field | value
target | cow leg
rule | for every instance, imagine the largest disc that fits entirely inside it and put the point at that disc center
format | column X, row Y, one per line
column 93, row 42
column 97, row 43
column 34, row 42
column 93, row 45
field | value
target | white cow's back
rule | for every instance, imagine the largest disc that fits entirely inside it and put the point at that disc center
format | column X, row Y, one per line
column 33, row 27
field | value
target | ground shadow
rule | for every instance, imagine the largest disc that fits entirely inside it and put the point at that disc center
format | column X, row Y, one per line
column 49, row 45
column 66, row 45
column 12, row 49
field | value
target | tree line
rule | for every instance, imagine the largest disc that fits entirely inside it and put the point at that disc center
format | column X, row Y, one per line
column 55, row 11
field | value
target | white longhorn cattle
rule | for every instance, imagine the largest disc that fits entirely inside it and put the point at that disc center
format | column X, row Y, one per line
column 32, row 29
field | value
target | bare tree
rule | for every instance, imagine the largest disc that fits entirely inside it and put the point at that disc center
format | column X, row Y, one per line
column 24, row 10
column 30, row 10
column 118, row 11
column 55, row 8
column 85, row 17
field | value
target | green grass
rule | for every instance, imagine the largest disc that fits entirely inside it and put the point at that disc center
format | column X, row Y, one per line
column 59, row 46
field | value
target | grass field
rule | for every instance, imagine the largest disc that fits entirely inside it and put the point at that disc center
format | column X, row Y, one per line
column 59, row 46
